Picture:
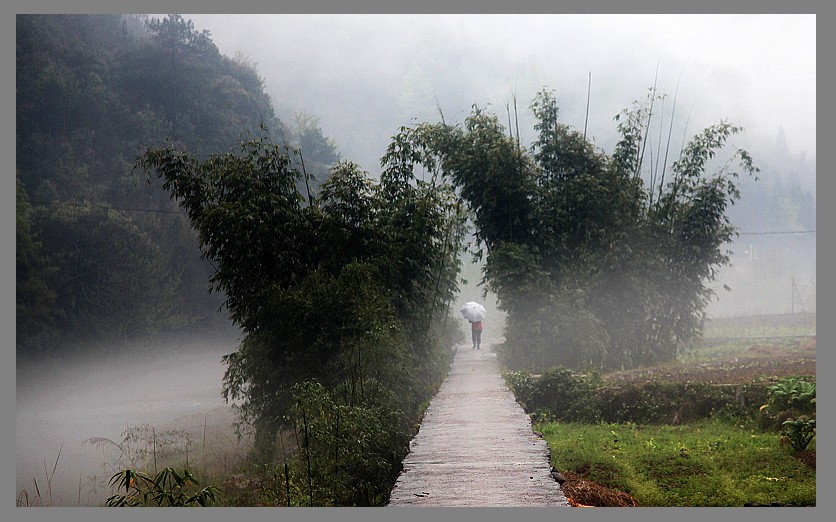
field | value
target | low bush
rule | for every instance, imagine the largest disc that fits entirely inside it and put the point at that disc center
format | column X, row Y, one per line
column 676, row 403
column 560, row 394
column 168, row 488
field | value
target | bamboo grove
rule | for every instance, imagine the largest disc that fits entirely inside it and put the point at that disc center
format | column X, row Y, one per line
column 343, row 300
column 600, row 263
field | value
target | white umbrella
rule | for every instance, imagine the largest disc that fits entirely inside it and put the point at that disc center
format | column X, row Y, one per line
column 473, row 312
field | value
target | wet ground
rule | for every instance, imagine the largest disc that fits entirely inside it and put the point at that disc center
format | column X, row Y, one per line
column 475, row 446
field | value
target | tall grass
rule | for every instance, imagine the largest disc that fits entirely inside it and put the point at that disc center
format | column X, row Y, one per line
column 205, row 444
column 38, row 499
column 707, row 463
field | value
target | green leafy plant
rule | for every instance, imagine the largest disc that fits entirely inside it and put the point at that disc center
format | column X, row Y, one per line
column 584, row 247
column 792, row 393
column 350, row 287
column 166, row 488
column 798, row 433
column 789, row 398
column 522, row 384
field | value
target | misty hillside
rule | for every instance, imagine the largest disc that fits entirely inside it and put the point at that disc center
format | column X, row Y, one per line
column 102, row 253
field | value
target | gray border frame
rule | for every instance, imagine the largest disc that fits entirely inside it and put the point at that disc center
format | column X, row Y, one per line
column 7, row 382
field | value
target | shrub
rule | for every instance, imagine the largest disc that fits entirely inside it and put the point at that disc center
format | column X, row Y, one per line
column 788, row 399
column 522, row 384
column 558, row 394
column 349, row 455
column 798, row 432
column 167, row 488
column 676, row 403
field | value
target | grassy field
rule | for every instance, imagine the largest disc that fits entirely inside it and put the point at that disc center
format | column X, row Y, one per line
column 710, row 462
column 761, row 326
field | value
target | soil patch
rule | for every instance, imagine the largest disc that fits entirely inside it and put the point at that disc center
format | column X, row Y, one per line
column 808, row 457
column 581, row 492
column 739, row 370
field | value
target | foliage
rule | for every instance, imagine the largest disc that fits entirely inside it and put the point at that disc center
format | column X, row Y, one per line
column 100, row 284
column 34, row 315
column 312, row 152
column 350, row 289
column 168, row 488
column 792, row 393
column 522, row 384
column 558, row 394
column 94, row 91
column 677, row 403
column 596, row 263
column 708, row 463
column 349, row 454
column 798, row 433
column 790, row 402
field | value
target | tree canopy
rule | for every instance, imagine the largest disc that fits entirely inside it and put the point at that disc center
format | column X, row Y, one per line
column 598, row 261
column 348, row 291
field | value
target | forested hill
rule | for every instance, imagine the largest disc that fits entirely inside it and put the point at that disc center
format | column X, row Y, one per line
column 102, row 256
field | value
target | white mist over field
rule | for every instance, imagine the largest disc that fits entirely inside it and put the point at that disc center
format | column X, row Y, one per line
column 61, row 405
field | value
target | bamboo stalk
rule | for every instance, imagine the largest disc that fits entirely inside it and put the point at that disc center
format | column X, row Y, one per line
column 588, row 92
column 203, row 450
column 647, row 126
column 154, row 447
column 287, row 484
column 670, row 133
column 308, row 458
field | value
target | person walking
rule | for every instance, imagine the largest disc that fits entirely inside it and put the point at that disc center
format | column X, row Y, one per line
column 476, row 331
column 475, row 314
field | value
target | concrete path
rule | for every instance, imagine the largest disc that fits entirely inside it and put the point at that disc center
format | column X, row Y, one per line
column 475, row 446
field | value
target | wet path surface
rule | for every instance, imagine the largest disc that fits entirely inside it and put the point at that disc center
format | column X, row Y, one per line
column 475, row 446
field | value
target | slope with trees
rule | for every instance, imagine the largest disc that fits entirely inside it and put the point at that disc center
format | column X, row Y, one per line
column 102, row 256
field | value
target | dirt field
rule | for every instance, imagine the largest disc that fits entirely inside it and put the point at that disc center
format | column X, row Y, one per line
column 758, row 360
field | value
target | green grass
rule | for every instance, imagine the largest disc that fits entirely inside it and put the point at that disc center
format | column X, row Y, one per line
column 761, row 325
column 708, row 463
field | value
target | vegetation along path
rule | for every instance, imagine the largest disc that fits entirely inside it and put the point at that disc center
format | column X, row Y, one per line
column 476, row 446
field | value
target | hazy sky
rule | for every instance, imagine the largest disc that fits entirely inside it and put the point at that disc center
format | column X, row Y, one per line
column 364, row 76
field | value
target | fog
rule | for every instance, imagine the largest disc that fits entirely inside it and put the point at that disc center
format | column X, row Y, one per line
column 365, row 76
column 63, row 403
